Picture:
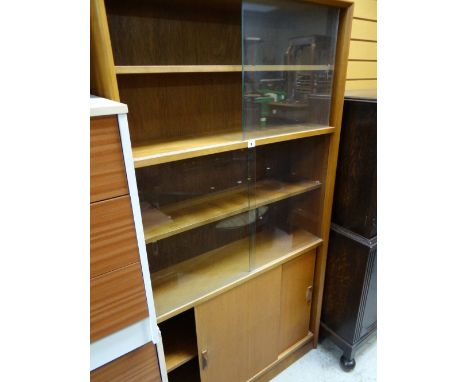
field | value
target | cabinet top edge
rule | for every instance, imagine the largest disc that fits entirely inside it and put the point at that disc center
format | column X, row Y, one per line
column 102, row 106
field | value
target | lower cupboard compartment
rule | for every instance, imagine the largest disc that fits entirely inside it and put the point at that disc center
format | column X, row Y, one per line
column 179, row 340
column 240, row 332
column 189, row 372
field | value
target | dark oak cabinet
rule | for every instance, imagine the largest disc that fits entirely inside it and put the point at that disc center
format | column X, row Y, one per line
column 355, row 198
column 349, row 313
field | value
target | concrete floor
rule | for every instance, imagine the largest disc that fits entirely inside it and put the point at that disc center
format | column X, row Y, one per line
column 323, row 365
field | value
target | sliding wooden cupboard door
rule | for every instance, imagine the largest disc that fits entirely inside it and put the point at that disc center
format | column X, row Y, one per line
column 222, row 336
column 237, row 331
column 296, row 299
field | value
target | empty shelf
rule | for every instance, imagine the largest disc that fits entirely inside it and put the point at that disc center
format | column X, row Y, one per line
column 192, row 213
column 180, row 342
column 154, row 69
column 179, row 352
column 163, row 151
column 182, row 286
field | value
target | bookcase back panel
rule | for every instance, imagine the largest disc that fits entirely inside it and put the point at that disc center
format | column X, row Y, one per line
column 181, row 105
column 175, row 32
column 183, row 180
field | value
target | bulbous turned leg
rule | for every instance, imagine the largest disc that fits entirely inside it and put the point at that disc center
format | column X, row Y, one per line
column 347, row 364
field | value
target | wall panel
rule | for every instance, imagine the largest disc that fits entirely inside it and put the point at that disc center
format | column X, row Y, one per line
column 362, row 65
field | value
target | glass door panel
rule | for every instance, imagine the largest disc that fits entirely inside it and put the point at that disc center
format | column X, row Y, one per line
column 195, row 217
column 288, row 56
column 291, row 176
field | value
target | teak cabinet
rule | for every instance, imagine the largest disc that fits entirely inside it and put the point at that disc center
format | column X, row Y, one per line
column 234, row 116
column 139, row 365
column 122, row 319
column 117, row 293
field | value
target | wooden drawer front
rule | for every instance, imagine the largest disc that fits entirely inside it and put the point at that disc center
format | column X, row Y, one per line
column 297, row 277
column 108, row 178
column 118, row 299
column 113, row 238
column 140, row 365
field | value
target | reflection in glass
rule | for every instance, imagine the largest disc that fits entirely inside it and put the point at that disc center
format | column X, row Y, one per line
column 288, row 61
column 212, row 220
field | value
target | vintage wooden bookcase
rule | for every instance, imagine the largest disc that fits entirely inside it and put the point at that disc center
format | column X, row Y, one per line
column 234, row 113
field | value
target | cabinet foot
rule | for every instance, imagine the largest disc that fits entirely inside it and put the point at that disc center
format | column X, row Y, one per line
column 347, row 364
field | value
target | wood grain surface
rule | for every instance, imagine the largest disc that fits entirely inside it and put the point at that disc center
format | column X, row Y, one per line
column 118, row 299
column 107, row 168
column 263, row 320
column 349, row 268
column 297, row 277
column 355, row 200
column 141, row 69
column 103, row 80
column 187, row 105
column 239, row 329
column 182, row 105
column 113, row 239
column 175, row 32
column 166, row 150
column 284, row 360
column 222, row 333
column 140, row 365
column 336, row 114
column 188, row 372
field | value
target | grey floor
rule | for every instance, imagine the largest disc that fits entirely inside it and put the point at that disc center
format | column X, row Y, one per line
column 322, row 365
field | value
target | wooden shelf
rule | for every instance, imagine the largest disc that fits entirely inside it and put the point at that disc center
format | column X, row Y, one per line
column 182, row 286
column 179, row 352
column 195, row 212
column 163, row 151
column 189, row 372
column 154, row 69
column 179, row 341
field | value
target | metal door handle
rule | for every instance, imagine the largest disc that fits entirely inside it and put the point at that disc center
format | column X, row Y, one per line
column 204, row 357
column 309, row 294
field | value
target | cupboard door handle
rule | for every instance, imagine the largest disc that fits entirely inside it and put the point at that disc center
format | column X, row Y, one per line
column 204, row 355
column 309, row 294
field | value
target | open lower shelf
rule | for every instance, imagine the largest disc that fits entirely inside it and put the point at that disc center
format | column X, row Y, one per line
column 154, row 69
column 182, row 286
column 180, row 342
column 183, row 216
column 163, row 151
column 181, row 354
column 188, row 372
